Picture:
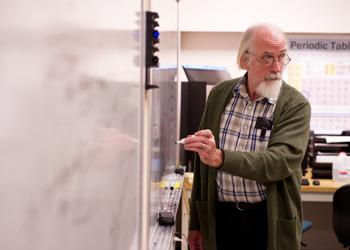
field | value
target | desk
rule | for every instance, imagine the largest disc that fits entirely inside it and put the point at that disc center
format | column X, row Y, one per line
column 318, row 208
column 323, row 193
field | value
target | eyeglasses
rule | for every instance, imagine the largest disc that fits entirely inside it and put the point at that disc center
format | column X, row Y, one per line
column 268, row 60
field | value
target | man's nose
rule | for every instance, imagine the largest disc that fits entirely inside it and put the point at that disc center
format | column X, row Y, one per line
column 276, row 66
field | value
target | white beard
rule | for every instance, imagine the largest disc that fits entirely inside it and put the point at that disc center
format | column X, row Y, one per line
column 270, row 87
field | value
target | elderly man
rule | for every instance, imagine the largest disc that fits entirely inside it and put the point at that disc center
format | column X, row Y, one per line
column 252, row 139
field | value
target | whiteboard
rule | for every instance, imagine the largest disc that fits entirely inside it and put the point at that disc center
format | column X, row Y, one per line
column 70, row 105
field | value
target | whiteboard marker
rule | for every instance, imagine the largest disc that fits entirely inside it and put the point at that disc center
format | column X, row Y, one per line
column 182, row 141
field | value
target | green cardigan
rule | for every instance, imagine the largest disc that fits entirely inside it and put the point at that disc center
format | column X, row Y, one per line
column 277, row 167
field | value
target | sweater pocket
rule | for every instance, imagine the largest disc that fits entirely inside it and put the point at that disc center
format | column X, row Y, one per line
column 286, row 235
column 202, row 209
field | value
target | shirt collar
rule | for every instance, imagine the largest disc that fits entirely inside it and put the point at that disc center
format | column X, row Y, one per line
column 240, row 88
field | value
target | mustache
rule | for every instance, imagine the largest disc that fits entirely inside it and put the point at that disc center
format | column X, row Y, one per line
column 273, row 77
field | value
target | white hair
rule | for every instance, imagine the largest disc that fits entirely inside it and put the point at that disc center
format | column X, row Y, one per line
column 249, row 37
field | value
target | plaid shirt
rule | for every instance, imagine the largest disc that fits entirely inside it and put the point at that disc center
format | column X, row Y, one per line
column 238, row 133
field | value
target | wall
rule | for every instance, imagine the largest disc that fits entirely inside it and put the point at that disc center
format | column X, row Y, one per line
column 211, row 48
column 210, row 30
column 292, row 16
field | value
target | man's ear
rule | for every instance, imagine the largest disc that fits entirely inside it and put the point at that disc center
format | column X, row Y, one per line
column 244, row 61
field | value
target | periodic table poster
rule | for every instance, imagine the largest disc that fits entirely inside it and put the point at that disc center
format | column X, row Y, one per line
column 320, row 70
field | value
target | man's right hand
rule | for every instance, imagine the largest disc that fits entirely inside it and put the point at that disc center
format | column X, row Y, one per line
column 195, row 240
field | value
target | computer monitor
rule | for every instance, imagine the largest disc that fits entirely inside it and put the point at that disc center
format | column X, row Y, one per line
column 209, row 74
